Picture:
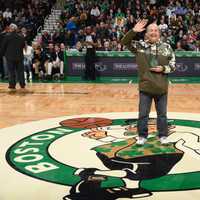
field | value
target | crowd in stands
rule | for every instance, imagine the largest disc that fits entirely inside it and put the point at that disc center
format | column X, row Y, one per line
column 179, row 22
column 29, row 15
column 26, row 14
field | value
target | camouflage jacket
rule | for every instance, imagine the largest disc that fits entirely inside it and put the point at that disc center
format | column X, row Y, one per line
column 151, row 55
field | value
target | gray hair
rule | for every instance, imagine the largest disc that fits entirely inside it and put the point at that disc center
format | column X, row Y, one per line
column 13, row 27
column 153, row 24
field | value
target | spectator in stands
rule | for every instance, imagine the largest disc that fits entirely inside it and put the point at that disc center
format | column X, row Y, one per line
column 58, row 37
column 106, row 46
column 119, row 47
column 102, row 32
column 7, row 13
column 95, row 12
column 62, row 47
column 99, row 45
column 163, row 26
column 70, row 38
column 81, row 36
column 179, row 47
column 58, row 63
column 39, row 59
column 71, row 25
column 171, row 39
column 79, row 46
column 49, row 54
column 46, row 39
column 184, row 43
column 26, row 35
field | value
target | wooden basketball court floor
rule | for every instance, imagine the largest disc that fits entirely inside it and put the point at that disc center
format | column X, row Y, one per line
column 53, row 100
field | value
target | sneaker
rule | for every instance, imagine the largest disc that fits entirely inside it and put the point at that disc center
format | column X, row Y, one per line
column 164, row 141
column 141, row 141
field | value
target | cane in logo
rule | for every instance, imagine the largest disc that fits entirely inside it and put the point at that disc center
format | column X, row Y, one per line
column 105, row 162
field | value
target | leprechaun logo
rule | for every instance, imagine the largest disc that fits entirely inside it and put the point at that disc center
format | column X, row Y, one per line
column 97, row 157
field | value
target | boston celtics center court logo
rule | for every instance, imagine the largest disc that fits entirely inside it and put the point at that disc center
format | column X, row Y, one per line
column 96, row 157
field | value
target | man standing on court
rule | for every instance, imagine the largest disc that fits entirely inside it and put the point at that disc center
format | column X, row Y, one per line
column 12, row 49
column 155, row 59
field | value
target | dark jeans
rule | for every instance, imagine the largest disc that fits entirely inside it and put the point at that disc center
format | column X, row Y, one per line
column 15, row 72
column 145, row 101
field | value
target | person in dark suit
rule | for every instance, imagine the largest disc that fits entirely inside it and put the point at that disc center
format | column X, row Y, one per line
column 1, row 59
column 39, row 60
column 12, row 48
column 90, row 57
column 3, row 66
